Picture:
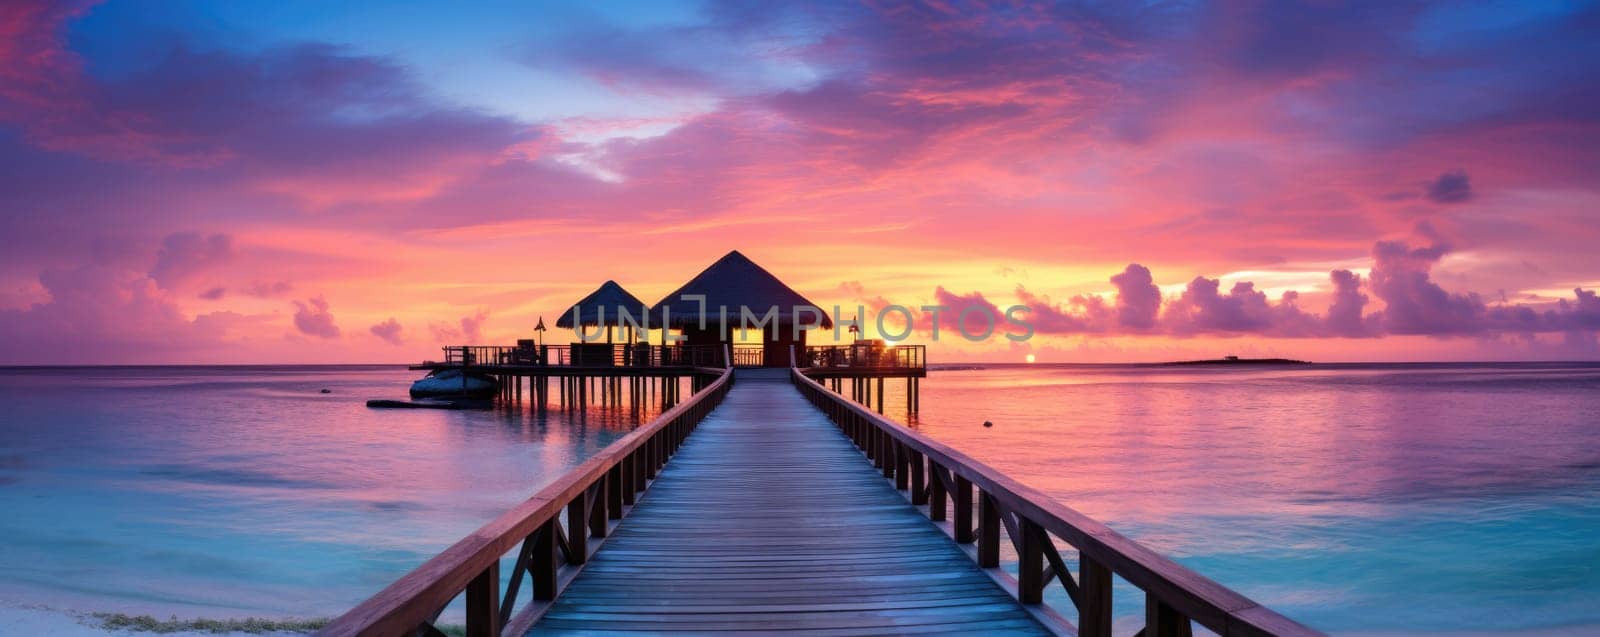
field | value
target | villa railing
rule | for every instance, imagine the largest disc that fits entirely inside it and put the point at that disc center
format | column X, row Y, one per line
column 841, row 357
column 593, row 496
column 950, row 484
column 587, row 355
column 868, row 356
column 749, row 355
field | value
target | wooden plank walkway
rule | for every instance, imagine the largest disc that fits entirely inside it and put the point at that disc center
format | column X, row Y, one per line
column 769, row 519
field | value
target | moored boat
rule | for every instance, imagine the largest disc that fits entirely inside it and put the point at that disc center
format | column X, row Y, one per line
column 454, row 383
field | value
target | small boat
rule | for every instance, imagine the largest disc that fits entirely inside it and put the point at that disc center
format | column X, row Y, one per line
column 453, row 383
column 432, row 403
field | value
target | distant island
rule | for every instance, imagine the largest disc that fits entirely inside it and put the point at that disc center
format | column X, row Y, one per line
column 1235, row 360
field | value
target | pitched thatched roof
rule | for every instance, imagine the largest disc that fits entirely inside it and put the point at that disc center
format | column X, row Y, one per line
column 609, row 296
column 733, row 281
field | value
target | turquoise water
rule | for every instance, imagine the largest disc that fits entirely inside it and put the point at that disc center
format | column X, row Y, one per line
column 1400, row 499
column 1357, row 499
column 246, row 491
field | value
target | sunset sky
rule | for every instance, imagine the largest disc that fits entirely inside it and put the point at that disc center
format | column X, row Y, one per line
column 274, row 182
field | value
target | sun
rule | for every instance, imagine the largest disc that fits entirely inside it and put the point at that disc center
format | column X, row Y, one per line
column 1029, row 358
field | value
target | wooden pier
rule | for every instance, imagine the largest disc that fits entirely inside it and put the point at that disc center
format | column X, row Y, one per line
column 768, row 519
column 765, row 501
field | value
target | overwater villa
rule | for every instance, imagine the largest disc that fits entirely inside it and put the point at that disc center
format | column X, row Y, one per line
column 707, row 323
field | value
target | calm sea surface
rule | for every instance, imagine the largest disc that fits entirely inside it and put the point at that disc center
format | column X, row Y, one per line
column 1375, row 498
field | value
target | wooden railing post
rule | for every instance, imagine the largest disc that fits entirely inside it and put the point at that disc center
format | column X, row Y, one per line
column 936, row 494
column 963, row 506
column 626, row 466
column 544, row 562
column 1161, row 620
column 578, row 528
column 988, row 532
column 1030, row 562
column 483, row 603
column 891, row 453
column 1094, row 614
column 919, row 480
column 597, row 511
column 614, row 489
column 902, row 466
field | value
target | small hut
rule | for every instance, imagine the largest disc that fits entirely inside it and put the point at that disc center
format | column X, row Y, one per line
column 605, row 307
column 735, row 282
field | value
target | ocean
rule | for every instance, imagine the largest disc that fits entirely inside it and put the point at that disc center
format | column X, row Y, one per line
column 1358, row 499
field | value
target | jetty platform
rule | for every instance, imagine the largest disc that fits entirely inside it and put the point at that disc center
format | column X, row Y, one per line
column 767, row 502
column 808, row 538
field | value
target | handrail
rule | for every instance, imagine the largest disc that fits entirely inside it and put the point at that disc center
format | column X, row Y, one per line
column 585, row 355
column 871, row 355
column 593, row 493
column 931, row 472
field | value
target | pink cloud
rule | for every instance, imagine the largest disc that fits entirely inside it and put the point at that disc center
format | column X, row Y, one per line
column 1138, row 298
column 389, row 331
column 467, row 330
column 313, row 318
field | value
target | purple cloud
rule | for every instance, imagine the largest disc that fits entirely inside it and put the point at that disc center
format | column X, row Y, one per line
column 313, row 318
column 264, row 289
column 1138, row 298
column 98, row 313
column 389, row 331
column 1344, row 313
column 466, row 331
column 1453, row 187
column 1413, row 303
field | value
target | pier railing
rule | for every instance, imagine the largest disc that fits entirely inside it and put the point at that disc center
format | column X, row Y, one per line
column 863, row 356
column 587, row 355
column 592, row 496
column 950, row 485
column 818, row 357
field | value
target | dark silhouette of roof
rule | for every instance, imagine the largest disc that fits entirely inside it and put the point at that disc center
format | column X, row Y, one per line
column 734, row 281
column 609, row 296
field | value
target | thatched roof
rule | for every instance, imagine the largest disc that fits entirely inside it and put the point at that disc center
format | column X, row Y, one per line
column 609, row 296
column 733, row 281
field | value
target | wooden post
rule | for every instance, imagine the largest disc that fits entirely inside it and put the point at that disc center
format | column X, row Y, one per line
column 1161, row 620
column 988, row 532
column 902, row 465
column 640, row 468
column 545, row 561
column 963, row 506
column 597, row 511
column 891, row 453
column 578, row 528
column 919, row 480
column 1094, row 615
column 629, row 486
column 1030, row 562
column 614, row 489
column 936, row 494
column 483, row 603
